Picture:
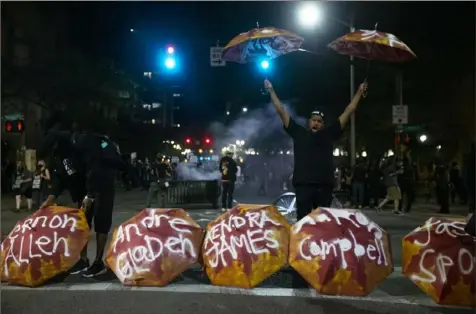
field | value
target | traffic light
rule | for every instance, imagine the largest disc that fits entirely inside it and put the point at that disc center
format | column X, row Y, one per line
column 14, row 126
column 188, row 140
column 170, row 62
column 207, row 140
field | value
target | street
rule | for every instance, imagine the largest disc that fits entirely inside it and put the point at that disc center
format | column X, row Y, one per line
column 192, row 290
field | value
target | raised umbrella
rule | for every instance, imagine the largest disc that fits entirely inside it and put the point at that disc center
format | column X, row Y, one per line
column 258, row 43
column 373, row 45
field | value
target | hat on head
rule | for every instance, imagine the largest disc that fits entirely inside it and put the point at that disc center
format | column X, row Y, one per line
column 317, row 112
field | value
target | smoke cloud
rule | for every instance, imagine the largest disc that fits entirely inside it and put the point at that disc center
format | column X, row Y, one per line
column 255, row 125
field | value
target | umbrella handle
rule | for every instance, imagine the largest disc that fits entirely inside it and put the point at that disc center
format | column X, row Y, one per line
column 364, row 94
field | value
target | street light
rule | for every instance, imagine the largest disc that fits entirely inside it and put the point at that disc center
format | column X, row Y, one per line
column 264, row 64
column 423, row 138
column 245, row 109
column 310, row 15
column 227, row 113
column 170, row 50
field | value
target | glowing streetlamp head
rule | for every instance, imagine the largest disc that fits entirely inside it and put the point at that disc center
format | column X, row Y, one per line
column 309, row 15
column 265, row 64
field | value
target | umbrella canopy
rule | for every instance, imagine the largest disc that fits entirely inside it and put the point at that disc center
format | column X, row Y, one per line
column 373, row 45
column 245, row 246
column 340, row 252
column 43, row 245
column 259, row 43
column 439, row 258
column 154, row 247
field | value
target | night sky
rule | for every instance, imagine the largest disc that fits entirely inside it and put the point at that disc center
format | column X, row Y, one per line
column 442, row 34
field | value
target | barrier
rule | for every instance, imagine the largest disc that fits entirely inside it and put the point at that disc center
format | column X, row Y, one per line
column 193, row 192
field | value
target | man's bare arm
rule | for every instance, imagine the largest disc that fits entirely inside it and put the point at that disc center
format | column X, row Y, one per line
column 277, row 103
column 350, row 109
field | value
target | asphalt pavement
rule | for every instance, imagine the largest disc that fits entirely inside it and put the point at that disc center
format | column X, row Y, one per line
column 192, row 292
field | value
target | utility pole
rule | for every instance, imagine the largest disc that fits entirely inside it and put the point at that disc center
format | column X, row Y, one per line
column 398, row 102
column 352, row 93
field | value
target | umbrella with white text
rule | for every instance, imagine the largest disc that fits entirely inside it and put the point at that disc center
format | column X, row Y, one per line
column 439, row 258
column 44, row 245
column 340, row 252
column 245, row 246
column 154, row 247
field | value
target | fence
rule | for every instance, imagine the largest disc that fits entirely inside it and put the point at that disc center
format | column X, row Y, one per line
column 193, row 192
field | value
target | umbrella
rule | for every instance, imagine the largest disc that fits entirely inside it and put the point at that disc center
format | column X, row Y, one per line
column 245, row 246
column 340, row 251
column 43, row 245
column 373, row 45
column 154, row 247
column 259, row 43
column 439, row 258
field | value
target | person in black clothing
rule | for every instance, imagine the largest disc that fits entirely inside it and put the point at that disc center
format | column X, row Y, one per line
column 375, row 184
column 228, row 171
column 159, row 172
column 442, row 180
column 89, row 164
column 359, row 176
column 470, row 178
column 313, row 176
column 457, row 182
column 407, row 181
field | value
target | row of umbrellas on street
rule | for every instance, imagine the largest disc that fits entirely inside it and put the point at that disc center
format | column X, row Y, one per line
column 337, row 251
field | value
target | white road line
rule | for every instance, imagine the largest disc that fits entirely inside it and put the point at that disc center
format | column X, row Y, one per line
column 377, row 296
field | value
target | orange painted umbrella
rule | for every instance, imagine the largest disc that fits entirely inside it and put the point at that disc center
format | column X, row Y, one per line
column 245, row 246
column 154, row 247
column 439, row 257
column 340, row 252
column 43, row 245
column 259, row 43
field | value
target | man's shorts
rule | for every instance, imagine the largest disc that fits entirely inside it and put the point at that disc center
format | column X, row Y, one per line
column 393, row 193
column 100, row 213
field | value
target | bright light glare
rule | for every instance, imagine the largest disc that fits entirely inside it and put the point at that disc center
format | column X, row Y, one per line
column 170, row 63
column 227, row 113
column 423, row 138
column 309, row 15
column 245, row 109
column 170, row 50
column 364, row 154
column 265, row 64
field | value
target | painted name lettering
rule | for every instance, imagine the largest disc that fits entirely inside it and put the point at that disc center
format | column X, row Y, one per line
column 464, row 260
column 138, row 259
column 310, row 248
column 257, row 237
column 48, row 244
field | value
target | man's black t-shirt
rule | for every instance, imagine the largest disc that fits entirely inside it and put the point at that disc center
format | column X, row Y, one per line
column 313, row 158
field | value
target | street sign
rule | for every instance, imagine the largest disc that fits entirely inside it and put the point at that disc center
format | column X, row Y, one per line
column 215, row 57
column 400, row 114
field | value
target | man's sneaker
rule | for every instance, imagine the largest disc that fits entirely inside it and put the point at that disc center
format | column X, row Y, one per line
column 378, row 209
column 79, row 267
column 397, row 212
column 96, row 269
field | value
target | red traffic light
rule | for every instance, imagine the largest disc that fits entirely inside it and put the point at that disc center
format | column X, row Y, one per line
column 207, row 140
column 188, row 140
column 8, row 126
column 20, row 126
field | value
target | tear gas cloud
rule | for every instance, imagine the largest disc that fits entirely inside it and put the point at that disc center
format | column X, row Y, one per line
column 253, row 126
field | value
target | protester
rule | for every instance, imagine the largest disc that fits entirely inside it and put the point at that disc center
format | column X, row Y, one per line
column 407, row 182
column 94, row 159
column 23, row 186
column 391, row 169
column 359, row 176
column 313, row 175
column 470, row 174
column 41, row 182
column 442, row 180
column 228, row 169
column 159, row 172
